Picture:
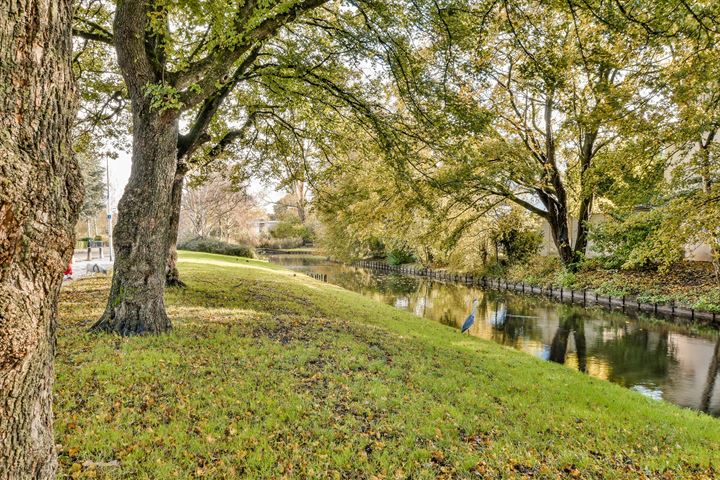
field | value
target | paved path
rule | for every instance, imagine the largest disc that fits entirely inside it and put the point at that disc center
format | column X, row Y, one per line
column 82, row 267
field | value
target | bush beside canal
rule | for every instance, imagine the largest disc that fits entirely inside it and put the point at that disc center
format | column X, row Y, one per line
column 271, row 374
column 690, row 284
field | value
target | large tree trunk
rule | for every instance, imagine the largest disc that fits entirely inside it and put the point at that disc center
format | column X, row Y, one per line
column 40, row 196
column 557, row 210
column 141, row 236
column 172, row 275
column 583, row 228
column 587, row 153
column 557, row 219
column 135, row 305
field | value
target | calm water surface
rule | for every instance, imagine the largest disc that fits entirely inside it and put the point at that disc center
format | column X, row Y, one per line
column 654, row 358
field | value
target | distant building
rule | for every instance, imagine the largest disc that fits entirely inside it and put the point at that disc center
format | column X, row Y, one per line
column 548, row 248
column 264, row 227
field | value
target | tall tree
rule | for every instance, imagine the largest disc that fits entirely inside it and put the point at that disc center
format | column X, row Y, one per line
column 174, row 59
column 563, row 90
column 216, row 208
column 687, row 211
column 202, row 54
column 93, row 172
column 39, row 201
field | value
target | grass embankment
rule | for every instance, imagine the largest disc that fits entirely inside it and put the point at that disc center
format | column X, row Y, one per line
column 269, row 374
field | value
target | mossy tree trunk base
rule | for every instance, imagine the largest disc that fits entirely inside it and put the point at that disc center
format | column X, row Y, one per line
column 128, row 318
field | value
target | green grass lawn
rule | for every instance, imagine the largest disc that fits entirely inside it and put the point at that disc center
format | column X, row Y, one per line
column 269, row 374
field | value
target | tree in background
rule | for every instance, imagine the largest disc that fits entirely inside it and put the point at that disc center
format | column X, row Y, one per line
column 296, row 225
column 557, row 107
column 93, row 173
column 693, row 213
column 657, row 217
column 40, row 198
column 218, row 209
column 553, row 108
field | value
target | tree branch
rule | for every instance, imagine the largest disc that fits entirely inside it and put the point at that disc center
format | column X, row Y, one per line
column 206, row 72
column 197, row 136
column 93, row 36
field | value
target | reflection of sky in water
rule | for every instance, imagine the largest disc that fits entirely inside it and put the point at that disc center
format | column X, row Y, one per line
column 544, row 353
column 652, row 358
column 653, row 393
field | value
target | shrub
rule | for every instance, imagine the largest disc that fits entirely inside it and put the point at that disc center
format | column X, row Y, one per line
column 519, row 244
column 399, row 256
column 566, row 278
column 638, row 241
column 279, row 243
column 292, row 229
column 709, row 302
column 612, row 288
column 538, row 270
column 213, row 245
column 495, row 269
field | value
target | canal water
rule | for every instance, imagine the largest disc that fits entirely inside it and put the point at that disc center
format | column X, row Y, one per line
column 647, row 355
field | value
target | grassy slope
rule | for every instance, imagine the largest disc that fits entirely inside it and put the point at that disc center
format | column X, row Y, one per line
column 272, row 375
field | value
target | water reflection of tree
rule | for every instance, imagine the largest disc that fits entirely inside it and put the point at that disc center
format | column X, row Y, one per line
column 450, row 303
column 637, row 356
column 371, row 283
column 398, row 284
column 571, row 322
column 511, row 325
column 713, row 371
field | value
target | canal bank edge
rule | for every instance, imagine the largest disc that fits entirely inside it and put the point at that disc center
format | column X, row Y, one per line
column 585, row 297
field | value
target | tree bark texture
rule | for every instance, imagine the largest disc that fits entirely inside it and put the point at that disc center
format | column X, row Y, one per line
column 40, row 197
column 557, row 218
column 141, row 236
column 172, row 275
